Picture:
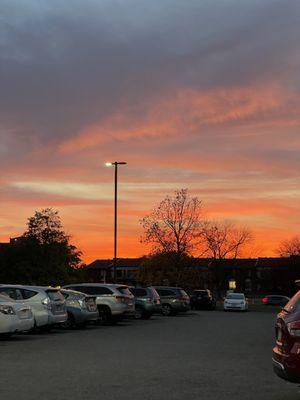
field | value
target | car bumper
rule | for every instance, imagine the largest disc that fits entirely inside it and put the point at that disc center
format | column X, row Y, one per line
column 239, row 308
column 57, row 318
column 14, row 324
column 286, row 366
column 81, row 316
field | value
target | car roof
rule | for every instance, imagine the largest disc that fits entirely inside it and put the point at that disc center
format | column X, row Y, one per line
column 30, row 287
column 167, row 287
column 113, row 285
column 74, row 292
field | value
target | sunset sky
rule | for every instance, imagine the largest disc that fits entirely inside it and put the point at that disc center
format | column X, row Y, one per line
column 197, row 94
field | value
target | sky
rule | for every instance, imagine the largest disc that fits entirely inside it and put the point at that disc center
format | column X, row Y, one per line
column 196, row 94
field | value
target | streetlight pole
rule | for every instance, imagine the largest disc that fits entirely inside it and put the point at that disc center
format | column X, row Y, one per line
column 115, row 164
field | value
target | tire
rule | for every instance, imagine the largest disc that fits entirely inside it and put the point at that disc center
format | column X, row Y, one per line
column 139, row 313
column 147, row 315
column 105, row 317
column 5, row 336
column 81, row 325
column 167, row 310
column 69, row 323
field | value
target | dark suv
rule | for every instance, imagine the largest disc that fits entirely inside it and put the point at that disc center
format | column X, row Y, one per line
column 286, row 353
column 173, row 300
column 202, row 299
column 147, row 302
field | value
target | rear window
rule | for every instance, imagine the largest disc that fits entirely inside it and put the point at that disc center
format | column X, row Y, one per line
column 139, row 292
column 166, row 292
column 27, row 294
column 183, row 293
column 294, row 303
column 154, row 293
column 124, row 290
column 54, row 295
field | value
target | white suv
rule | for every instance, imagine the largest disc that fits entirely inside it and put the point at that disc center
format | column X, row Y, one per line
column 113, row 301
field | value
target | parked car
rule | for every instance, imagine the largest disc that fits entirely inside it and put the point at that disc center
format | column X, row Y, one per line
column 202, row 299
column 81, row 308
column 113, row 301
column 173, row 300
column 275, row 300
column 286, row 353
column 235, row 301
column 147, row 302
column 47, row 303
column 14, row 317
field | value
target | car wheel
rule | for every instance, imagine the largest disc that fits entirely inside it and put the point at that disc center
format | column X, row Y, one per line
column 5, row 336
column 81, row 325
column 105, row 316
column 167, row 310
column 138, row 313
column 69, row 323
column 147, row 315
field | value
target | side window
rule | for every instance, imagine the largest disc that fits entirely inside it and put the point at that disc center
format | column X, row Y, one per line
column 166, row 293
column 27, row 294
column 102, row 291
column 13, row 293
column 88, row 289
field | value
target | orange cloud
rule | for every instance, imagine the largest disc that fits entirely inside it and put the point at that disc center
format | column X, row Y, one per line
column 187, row 111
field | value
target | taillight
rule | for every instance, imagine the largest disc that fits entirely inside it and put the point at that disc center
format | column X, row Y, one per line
column 294, row 328
column 8, row 310
column 121, row 299
column 264, row 300
column 185, row 299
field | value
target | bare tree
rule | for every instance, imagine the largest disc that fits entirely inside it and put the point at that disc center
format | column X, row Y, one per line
column 222, row 240
column 290, row 247
column 174, row 225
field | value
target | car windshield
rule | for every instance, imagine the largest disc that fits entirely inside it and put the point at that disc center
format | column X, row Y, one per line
column 54, row 295
column 293, row 304
column 235, row 296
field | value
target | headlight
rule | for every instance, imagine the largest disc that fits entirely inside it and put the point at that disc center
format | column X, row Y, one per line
column 8, row 310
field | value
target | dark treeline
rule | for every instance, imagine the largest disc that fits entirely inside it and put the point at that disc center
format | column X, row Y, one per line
column 43, row 255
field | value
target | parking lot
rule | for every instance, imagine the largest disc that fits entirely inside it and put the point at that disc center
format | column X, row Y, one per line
column 199, row 355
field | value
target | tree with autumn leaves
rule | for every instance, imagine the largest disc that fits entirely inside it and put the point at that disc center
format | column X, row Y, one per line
column 178, row 232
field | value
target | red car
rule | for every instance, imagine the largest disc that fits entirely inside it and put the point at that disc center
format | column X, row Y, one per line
column 286, row 353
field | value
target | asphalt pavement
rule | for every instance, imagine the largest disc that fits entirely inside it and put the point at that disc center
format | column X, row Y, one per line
column 201, row 355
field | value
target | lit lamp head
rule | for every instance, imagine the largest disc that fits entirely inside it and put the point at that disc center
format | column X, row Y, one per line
column 108, row 164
